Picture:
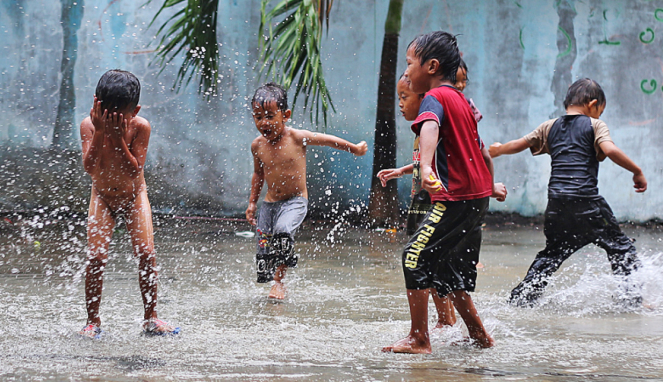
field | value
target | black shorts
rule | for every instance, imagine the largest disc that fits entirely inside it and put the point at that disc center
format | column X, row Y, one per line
column 444, row 251
column 419, row 207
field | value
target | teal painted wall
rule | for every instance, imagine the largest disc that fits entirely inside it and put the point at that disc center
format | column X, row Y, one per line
column 521, row 56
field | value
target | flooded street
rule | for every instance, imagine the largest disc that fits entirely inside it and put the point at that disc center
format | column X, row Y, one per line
column 345, row 301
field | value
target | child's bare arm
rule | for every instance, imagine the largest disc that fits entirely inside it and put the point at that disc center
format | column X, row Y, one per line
column 92, row 136
column 391, row 173
column 621, row 159
column 427, row 143
column 257, row 181
column 134, row 157
column 319, row 139
column 499, row 190
column 511, row 147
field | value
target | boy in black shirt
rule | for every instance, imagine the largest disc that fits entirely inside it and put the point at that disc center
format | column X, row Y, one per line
column 576, row 214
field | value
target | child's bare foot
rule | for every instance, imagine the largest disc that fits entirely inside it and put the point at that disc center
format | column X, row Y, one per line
column 409, row 345
column 277, row 291
column 482, row 340
column 445, row 324
column 157, row 327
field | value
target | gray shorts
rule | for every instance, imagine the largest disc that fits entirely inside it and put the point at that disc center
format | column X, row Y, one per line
column 277, row 223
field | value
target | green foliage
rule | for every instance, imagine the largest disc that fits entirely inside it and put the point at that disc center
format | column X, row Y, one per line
column 290, row 50
column 191, row 29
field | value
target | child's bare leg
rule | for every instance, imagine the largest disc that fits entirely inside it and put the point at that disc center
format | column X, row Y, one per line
column 139, row 225
column 463, row 303
column 278, row 289
column 99, row 232
column 417, row 341
column 445, row 310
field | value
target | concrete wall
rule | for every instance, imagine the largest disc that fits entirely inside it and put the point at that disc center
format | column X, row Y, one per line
column 521, row 57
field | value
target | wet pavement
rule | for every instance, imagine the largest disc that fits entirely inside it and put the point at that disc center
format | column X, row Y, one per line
column 345, row 301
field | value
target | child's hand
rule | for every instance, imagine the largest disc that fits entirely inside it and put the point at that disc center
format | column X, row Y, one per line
column 251, row 213
column 494, row 150
column 499, row 192
column 98, row 116
column 388, row 174
column 639, row 182
column 361, row 148
column 116, row 125
column 431, row 183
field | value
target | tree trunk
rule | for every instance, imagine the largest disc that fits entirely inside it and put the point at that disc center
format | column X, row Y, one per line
column 383, row 203
column 71, row 16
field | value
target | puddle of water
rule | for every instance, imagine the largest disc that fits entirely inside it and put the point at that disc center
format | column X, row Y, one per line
column 346, row 300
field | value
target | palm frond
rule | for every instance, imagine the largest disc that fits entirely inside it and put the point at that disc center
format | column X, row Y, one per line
column 290, row 50
column 192, row 29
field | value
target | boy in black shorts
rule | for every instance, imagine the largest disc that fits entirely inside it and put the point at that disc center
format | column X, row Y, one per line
column 444, row 250
column 576, row 214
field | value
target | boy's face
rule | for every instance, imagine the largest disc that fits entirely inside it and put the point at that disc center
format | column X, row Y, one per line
column 417, row 74
column 408, row 101
column 269, row 119
column 461, row 79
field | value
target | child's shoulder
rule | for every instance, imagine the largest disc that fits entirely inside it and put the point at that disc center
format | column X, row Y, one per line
column 300, row 136
column 87, row 122
column 596, row 121
column 141, row 123
column 257, row 142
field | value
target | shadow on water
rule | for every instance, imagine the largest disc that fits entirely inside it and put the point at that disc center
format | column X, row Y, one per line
column 345, row 301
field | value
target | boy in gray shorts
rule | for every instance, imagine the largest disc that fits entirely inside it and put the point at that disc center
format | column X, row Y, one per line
column 279, row 159
column 277, row 223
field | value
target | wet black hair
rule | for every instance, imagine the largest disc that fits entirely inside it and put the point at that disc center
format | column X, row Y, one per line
column 583, row 92
column 269, row 92
column 118, row 90
column 441, row 46
column 463, row 65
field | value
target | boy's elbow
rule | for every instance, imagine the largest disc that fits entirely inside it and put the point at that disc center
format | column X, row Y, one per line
column 610, row 151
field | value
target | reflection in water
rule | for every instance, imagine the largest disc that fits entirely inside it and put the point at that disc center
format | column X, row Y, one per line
column 346, row 300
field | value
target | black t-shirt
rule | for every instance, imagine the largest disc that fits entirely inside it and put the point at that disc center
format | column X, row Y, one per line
column 573, row 144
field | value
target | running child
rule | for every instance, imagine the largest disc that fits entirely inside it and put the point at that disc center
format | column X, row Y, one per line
column 576, row 214
column 279, row 159
column 444, row 250
column 115, row 144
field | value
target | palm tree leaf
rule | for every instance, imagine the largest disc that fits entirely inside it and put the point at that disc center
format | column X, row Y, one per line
column 291, row 36
column 192, row 31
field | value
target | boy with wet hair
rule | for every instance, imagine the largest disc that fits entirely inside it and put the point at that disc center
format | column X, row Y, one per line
column 115, row 144
column 576, row 214
column 279, row 159
column 457, row 173
column 409, row 103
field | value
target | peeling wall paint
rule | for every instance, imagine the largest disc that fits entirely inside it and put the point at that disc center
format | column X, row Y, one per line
column 521, row 58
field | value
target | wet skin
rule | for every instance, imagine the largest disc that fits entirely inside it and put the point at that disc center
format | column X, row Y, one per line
column 279, row 160
column 114, row 151
column 422, row 77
